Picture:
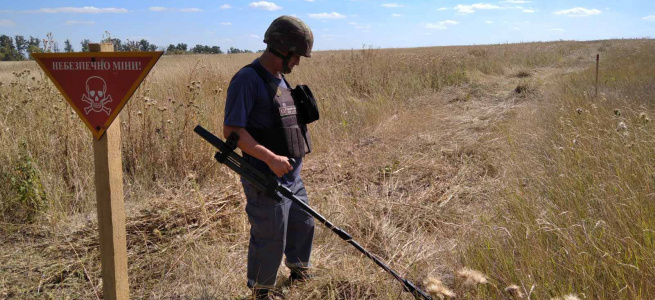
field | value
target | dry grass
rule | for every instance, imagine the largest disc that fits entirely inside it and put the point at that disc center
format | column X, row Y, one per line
column 576, row 212
column 427, row 156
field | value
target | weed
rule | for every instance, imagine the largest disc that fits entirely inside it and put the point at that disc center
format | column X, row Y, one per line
column 28, row 198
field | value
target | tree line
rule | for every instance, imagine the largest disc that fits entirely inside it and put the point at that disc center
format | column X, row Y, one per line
column 19, row 47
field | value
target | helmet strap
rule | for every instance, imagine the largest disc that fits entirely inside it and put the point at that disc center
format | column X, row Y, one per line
column 285, row 59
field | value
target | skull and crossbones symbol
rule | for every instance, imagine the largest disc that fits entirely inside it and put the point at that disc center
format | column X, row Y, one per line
column 96, row 95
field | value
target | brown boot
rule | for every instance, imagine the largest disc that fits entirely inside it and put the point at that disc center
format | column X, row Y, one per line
column 261, row 294
column 297, row 277
column 265, row 294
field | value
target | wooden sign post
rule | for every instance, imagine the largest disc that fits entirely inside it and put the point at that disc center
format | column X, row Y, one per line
column 97, row 85
column 111, row 206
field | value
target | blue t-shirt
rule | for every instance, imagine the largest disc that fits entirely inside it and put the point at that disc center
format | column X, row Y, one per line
column 249, row 104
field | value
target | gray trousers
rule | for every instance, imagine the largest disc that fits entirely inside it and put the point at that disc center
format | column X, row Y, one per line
column 277, row 228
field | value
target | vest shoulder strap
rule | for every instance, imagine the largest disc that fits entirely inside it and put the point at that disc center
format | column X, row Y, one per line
column 264, row 75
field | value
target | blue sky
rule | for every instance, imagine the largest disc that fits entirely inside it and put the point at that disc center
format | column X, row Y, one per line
column 337, row 24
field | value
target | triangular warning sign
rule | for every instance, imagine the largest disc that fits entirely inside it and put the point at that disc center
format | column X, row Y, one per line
column 97, row 84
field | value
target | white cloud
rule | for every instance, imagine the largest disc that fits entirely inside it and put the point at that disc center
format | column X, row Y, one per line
column 270, row 6
column 226, row 23
column 7, row 23
column 442, row 8
column 557, row 29
column 441, row 25
column 162, row 9
column 225, row 6
column 309, row 0
column 332, row 15
column 489, row 22
column 255, row 36
column 469, row 9
column 529, row 11
column 578, row 12
column 392, row 5
column 75, row 22
column 396, row 15
column 515, row 1
column 649, row 18
column 81, row 10
column 330, row 37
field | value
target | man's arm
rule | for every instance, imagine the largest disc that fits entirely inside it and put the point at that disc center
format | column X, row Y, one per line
column 278, row 164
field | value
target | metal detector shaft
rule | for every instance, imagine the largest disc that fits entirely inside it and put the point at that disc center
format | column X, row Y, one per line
column 272, row 187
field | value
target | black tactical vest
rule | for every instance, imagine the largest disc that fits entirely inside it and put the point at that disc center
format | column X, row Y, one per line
column 288, row 137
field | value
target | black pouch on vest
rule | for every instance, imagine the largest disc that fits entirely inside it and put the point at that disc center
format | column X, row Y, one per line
column 305, row 104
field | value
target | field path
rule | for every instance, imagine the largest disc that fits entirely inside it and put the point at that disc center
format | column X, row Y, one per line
column 423, row 177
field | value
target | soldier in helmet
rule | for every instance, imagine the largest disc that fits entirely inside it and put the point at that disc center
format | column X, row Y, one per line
column 259, row 107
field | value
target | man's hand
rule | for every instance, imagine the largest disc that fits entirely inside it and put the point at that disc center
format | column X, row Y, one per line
column 279, row 165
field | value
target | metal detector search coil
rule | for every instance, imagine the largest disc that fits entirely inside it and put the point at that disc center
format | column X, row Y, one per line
column 274, row 189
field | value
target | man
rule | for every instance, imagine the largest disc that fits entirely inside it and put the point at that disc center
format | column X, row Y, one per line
column 259, row 107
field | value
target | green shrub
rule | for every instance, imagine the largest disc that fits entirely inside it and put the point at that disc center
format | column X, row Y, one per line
column 27, row 197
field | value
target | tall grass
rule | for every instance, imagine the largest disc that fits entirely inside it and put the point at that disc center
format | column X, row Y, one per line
column 578, row 208
column 574, row 214
column 356, row 90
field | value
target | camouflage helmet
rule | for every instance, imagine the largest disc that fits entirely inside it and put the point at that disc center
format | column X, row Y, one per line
column 288, row 33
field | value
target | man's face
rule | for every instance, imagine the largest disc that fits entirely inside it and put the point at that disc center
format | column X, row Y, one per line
column 294, row 61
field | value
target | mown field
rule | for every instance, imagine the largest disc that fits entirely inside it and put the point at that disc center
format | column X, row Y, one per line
column 441, row 161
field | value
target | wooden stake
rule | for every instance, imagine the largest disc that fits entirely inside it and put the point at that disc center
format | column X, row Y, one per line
column 597, row 62
column 111, row 206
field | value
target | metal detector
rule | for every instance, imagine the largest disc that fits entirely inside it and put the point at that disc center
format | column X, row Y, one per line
column 270, row 185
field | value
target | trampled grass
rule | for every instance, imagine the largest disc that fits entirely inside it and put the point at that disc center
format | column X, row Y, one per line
column 433, row 158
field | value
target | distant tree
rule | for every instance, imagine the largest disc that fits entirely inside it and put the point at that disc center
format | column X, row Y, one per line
column 198, row 49
column 33, row 49
column 236, row 50
column 205, row 49
column 216, row 50
column 118, row 44
column 21, row 45
column 67, row 46
column 34, row 41
column 55, row 47
column 8, row 50
column 131, row 46
column 173, row 50
column 152, row 47
column 181, row 47
column 34, row 45
column 144, row 45
column 85, row 45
